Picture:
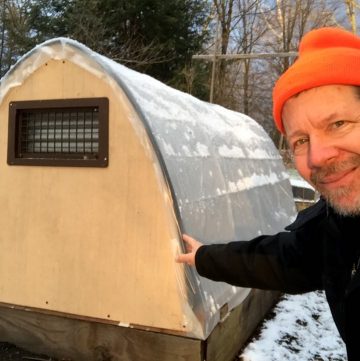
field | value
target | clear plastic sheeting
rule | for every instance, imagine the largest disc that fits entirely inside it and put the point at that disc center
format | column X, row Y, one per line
column 224, row 175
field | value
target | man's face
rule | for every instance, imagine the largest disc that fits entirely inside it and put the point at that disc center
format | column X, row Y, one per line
column 322, row 126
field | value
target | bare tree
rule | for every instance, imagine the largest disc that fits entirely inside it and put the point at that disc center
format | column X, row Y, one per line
column 292, row 19
column 249, row 33
column 351, row 6
column 239, row 33
column 286, row 24
column 2, row 35
column 224, row 21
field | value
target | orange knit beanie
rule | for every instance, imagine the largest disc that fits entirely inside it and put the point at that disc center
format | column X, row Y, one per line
column 326, row 56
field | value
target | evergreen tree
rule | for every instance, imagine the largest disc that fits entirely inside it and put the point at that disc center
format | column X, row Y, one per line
column 153, row 36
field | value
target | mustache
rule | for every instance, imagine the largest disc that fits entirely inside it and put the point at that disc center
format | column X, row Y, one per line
column 319, row 174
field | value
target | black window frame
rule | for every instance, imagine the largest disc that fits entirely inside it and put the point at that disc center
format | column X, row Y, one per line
column 16, row 156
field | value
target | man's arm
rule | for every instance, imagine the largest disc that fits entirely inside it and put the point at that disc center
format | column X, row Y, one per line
column 287, row 261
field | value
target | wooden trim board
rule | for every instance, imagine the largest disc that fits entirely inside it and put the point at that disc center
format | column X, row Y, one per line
column 80, row 340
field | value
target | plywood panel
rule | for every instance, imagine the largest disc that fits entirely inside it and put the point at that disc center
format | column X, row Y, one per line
column 88, row 241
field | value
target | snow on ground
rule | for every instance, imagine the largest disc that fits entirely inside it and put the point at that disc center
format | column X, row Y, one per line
column 301, row 330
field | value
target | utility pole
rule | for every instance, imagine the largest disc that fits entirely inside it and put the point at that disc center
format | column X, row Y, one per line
column 290, row 54
column 213, row 70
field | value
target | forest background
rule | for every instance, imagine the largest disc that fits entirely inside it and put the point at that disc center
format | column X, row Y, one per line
column 161, row 38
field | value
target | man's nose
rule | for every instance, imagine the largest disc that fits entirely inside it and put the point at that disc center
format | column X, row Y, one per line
column 321, row 152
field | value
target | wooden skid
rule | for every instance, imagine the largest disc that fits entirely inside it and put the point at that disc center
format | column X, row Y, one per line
column 82, row 340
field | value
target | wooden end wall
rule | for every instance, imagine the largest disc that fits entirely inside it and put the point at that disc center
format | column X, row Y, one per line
column 93, row 242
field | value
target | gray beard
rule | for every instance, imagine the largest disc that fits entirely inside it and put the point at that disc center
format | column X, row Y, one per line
column 333, row 197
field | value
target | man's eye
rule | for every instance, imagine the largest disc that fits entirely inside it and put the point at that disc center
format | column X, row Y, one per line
column 338, row 123
column 300, row 142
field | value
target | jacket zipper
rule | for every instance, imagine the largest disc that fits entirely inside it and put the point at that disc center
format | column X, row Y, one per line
column 355, row 267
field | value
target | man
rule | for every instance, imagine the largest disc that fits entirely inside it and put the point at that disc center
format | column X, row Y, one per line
column 317, row 107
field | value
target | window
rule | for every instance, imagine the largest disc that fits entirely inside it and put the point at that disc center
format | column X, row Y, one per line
column 66, row 132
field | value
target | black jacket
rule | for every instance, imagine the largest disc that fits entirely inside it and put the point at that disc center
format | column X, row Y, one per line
column 319, row 251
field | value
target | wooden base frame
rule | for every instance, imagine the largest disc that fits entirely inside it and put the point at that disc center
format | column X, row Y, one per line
column 82, row 340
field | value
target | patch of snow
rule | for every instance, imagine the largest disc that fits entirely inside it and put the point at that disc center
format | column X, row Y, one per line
column 302, row 330
column 123, row 324
column 255, row 180
column 297, row 181
column 233, row 152
column 168, row 148
column 301, row 183
column 202, row 150
column 186, row 151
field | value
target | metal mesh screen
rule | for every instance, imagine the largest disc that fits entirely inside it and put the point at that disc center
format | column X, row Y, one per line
column 59, row 131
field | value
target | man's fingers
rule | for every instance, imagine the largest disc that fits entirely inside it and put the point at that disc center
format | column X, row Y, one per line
column 187, row 239
column 183, row 258
column 190, row 242
column 192, row 245
column 188, row 258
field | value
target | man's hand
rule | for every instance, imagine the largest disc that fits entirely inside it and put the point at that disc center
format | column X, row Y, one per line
column 192, row 245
